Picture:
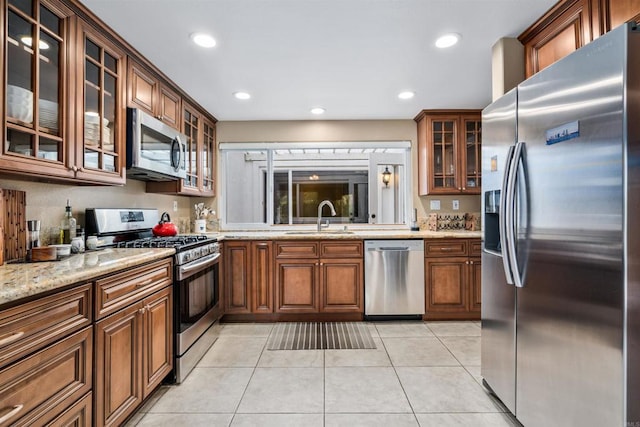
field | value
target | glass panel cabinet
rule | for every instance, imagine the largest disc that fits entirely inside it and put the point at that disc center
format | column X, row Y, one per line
column 208, row 157
column 102, row 114
column 449, row 147
column 64, row 95
column 200, row 154
column 35, row 43
column 191, row 127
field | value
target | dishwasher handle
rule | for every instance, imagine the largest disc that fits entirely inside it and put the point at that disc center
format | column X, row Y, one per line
column 386, row 249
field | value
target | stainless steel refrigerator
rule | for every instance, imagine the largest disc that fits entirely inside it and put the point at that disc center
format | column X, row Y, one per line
column 561, row 240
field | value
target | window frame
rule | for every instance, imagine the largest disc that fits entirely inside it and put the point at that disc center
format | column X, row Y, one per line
column 270, row 147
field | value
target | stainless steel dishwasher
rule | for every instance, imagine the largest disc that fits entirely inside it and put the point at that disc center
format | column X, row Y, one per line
column 394, row 279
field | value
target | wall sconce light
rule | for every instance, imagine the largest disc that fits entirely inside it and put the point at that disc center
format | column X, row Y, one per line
column 386, row 176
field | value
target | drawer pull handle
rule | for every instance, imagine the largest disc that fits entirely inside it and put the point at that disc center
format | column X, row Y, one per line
column 11, row 338
column 145, row 283
column 14, row 410
column 446, row 249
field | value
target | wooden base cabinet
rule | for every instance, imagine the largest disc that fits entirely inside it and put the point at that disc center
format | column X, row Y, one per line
column 262, row 277
column 37, row 389
column 452, row 282
column 319, row 277
column 134, row 352
column 341, row 285
column 237, row 276
column 297, row 288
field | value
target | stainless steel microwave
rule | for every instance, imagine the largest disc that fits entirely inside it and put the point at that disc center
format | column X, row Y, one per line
column 155, row 151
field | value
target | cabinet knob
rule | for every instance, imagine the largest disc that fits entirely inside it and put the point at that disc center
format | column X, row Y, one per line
column 464, row 188
column 142, row 310
column 466, row 262
column 471, row 262
column 74, row 168
column 459, row 189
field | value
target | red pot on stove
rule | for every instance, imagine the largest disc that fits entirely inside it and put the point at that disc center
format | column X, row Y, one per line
column 165, row 227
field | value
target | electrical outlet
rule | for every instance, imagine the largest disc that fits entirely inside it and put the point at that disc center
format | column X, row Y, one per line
column 434, row 205
column 175, row 206
column 456, row 205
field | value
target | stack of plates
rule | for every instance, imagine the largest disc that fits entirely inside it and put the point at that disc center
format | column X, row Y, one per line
column 20, row 103
column 48, row 114
column 92, row 130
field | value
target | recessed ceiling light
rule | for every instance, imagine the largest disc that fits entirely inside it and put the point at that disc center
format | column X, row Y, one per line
column 448, row 40
column 242, row 95
column 406, row 94
column 29, row 41
column 203, row 39
column 317, row 110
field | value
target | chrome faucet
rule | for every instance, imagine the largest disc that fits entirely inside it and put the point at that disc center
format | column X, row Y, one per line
column 333, row 213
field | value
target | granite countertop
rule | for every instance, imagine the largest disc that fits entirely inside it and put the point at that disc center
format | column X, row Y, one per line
column 22, row 280
column 340, row 234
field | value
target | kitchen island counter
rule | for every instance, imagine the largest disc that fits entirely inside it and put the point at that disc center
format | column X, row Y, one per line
column 22, row 280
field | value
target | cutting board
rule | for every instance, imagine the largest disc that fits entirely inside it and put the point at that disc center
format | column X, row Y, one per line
column 14, row 224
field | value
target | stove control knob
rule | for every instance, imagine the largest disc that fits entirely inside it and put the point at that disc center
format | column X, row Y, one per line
column 186, row 257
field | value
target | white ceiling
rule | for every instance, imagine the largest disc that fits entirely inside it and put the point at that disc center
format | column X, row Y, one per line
column 351, row 57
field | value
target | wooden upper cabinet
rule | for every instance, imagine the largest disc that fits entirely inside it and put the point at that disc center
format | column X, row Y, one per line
column 200, row 155
column 147, row 92
column 449, row 148
column 36, row 103
column 64, row 96
column 609, row 14
column 562, row 30
column 100, row 108
column 571, row 24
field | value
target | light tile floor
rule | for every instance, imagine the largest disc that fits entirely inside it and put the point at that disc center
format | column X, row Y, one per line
column 421, row 374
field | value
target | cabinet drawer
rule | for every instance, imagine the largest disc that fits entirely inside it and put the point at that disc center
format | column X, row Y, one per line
column 445, row 248
column 31, row 326
column 43, row 386
column 334, row 249
column 475, row 247
column 120, row 290
column 295, row 249
column 79, row 415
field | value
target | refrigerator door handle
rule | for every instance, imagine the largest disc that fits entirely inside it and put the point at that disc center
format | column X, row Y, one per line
column 502, row 218
column 511, row 214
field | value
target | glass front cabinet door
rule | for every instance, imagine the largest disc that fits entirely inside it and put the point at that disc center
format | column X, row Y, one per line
column 36, row 75
column 100, row 125
column 449, row 147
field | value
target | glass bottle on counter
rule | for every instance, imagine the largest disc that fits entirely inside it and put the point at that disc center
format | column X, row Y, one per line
column 68, row 225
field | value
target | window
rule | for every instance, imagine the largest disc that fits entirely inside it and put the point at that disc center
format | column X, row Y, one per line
column 275, row 184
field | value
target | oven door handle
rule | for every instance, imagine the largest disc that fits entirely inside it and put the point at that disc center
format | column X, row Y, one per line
column 185, row 271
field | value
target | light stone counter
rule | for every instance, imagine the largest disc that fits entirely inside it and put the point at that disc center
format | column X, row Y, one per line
column 339, row 234
column 18, row 281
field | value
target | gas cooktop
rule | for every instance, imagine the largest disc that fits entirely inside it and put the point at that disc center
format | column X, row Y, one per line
column 178, row 242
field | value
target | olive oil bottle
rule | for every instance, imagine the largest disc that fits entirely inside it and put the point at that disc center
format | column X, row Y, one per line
column 68, row 225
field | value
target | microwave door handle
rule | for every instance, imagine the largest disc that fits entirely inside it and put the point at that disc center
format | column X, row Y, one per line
column 176, row 147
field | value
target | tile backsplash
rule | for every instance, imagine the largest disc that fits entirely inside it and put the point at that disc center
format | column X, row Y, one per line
column 449, row 221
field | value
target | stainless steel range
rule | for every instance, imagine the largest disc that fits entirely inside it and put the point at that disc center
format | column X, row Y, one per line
column 197, row 304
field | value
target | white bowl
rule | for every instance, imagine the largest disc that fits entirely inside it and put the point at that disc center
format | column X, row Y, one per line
column 62, row 250
column 22, row 112
column 93, row 118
